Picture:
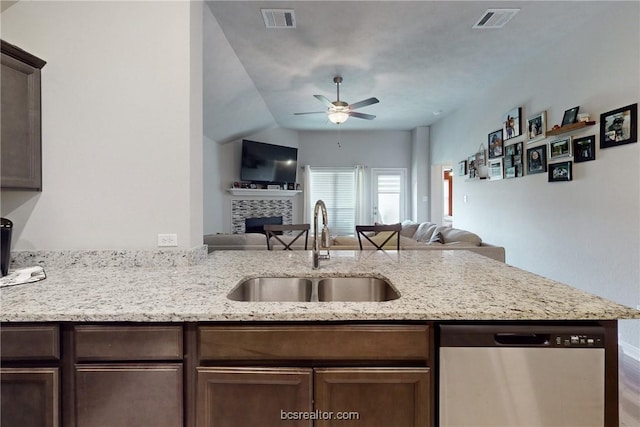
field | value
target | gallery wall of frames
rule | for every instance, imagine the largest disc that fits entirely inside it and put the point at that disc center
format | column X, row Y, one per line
column 528, row 147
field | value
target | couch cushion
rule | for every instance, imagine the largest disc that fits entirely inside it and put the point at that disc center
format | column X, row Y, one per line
column 457, row 235
column 424, row 232
column 409, row 228
column 437, row 237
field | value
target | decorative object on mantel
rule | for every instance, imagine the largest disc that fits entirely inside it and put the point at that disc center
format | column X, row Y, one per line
column 537, row 160
column 495, row 140
column 560, row 148
column 511, row 126
column 263, row 192
column 536, row 127
column 559, row 172
column 619, row 126
column 584, row 149
column 480, row 163
column 570, row 116
column 513, row 165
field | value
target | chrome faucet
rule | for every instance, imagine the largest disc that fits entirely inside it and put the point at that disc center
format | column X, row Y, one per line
column 325, row 239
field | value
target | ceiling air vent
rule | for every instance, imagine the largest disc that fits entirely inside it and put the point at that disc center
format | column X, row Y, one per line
column 495, row 18
column 279, row 18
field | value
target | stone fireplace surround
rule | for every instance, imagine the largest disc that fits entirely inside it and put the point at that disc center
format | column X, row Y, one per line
column 243, row 209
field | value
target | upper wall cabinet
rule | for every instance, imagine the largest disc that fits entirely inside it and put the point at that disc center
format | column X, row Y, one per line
column 20, row 119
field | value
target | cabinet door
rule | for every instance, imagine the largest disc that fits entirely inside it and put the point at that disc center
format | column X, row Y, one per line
column 30, row 397
column 131, row 395
column 20, row 119
column 241, row 397
column 397, row 397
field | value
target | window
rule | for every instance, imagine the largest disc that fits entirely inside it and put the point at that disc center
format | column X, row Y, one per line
column 337, row 188
column 388, row 195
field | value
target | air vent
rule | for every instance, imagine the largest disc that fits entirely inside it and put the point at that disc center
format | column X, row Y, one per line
column 279, row 18
column 495, row 18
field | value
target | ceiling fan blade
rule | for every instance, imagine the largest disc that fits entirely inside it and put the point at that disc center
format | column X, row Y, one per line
column 324, row 100
column 364, row 103
column 310, row 112
column 361, row 115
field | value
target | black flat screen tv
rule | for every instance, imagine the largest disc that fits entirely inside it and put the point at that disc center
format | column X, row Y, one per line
column 268, row 163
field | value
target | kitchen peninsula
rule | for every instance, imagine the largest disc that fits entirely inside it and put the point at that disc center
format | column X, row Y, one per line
column 169, row 337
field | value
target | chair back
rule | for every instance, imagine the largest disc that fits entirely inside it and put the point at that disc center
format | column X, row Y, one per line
column 363, row 230
column 276, row 230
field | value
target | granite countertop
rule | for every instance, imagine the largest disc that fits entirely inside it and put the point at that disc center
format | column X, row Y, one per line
column 434, row 285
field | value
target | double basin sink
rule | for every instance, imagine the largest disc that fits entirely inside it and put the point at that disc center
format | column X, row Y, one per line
column 312, row 289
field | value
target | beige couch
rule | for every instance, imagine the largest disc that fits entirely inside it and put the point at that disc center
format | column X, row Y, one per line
column 414, row 236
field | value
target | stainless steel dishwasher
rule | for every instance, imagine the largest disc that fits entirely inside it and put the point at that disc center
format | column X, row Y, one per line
column 524, row 375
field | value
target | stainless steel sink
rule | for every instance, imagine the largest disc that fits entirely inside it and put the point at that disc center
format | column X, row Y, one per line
column 319, row 289
column 355, row 289
column 273, row 289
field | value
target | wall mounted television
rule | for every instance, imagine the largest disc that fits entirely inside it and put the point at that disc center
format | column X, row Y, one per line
column 268, row 163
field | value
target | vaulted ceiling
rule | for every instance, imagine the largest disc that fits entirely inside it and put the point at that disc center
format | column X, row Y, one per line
column 421, row 59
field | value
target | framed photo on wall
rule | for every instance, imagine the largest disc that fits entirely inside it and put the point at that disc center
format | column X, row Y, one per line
column 559, row 172
column 619, row 126
column 560, row 148
column 462, row 168
column 570, row 116
column 511, row 124
column 513, row 160
column 494, row 168
column 537, row 127
column 536, row 160
column 584, row 149
column 495, row 144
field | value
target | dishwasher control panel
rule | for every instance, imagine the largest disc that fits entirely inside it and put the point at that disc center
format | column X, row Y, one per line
column 578, row 340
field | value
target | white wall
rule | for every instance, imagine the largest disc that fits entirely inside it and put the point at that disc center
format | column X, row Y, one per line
column 121, row 124
column 584, row 232
column 420, row 174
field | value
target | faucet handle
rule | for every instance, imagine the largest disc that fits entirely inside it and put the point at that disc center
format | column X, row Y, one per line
column 325, row 238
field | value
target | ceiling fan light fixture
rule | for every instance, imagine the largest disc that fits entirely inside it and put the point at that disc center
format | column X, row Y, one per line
column 338, row 117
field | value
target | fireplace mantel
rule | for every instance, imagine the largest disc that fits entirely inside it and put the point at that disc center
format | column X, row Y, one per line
column 262, row 192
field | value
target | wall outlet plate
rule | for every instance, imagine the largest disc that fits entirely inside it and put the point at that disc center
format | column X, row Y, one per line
column 167, row 240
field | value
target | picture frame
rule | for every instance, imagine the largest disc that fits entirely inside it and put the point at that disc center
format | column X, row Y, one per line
column 584, row 149
column 619, row 127
column 560, row 148
column 537, row 127
column 570, row 116
column 561, row 172
column 511, row 126
column 494, row 168
column 495, row 141
column 471, row 166
column 536, row 160
column 513, row 164
column 462, row 168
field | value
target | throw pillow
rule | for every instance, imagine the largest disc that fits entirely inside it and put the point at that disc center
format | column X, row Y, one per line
column 437, row 238
column 409, row 228
column 424, row 232
column 456, row 235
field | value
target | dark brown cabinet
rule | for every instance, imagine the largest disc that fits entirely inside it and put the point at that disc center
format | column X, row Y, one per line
column 128, row 375
column 30, row 376
column 20, row 119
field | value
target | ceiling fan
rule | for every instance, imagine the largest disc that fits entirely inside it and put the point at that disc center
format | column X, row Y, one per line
column 339, row 111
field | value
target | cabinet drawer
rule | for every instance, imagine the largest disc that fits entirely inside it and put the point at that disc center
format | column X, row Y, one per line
column 321, row 342
column 30, row 342
column 122, row 343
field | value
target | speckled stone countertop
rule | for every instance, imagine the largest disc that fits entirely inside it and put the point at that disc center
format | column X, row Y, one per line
column 434, row 285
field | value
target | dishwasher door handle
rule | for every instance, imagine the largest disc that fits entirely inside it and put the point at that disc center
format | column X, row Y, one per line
column 528, row 339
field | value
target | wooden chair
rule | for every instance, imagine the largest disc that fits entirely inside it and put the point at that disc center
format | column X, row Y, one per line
column 362, row 230
column 273, row 230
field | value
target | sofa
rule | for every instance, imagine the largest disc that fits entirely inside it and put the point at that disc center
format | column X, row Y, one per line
column 413, row 236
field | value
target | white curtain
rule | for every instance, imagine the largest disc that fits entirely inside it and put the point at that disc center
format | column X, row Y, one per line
column 362, row 210
column 307, row 213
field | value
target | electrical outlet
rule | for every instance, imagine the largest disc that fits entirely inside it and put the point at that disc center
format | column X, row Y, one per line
column 167, row 240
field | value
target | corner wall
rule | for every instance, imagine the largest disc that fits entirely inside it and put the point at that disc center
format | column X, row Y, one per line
column 121, row 124
column 585, row 232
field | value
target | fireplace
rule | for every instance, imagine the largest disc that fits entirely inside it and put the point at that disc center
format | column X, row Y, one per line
column 245, row 209
column 256, row 225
